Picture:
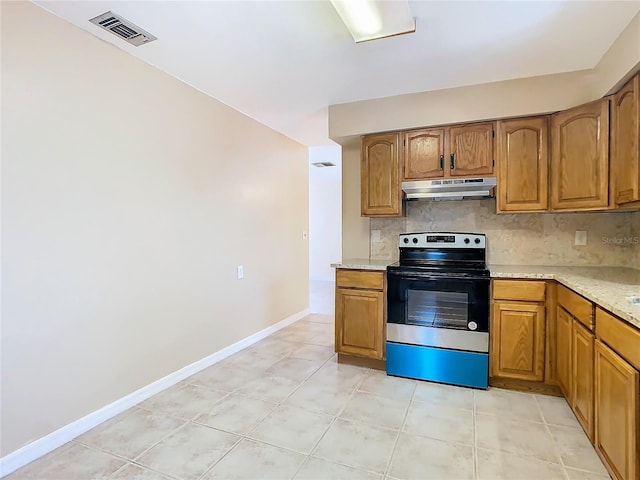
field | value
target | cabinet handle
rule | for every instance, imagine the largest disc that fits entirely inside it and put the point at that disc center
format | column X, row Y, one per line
column 441, row 162
column 452, row 161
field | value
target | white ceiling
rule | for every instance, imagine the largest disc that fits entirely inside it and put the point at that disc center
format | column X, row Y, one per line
column 283, row 62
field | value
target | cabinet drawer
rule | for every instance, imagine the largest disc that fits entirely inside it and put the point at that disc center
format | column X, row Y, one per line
column 360, row 279
column 622, row 338
column 523, row 290
column 576, row 305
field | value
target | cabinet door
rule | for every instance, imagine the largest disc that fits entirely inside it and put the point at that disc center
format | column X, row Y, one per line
column 625, row 143
column 470, row 150
column 617, row 404
column 517, row 341
column 564, row 324
column 582, row 376
column 523, row 146
column 580, row 157
column 380, row 176
column 423, row 154
column 360, row 322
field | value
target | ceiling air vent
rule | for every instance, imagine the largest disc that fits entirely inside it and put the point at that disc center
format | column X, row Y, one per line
column 323, row 164
column 123, row 28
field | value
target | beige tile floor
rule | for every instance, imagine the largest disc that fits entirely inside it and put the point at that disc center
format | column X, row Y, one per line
column 285, row 409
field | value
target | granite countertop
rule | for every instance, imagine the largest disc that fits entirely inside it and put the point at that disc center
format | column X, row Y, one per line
column 363, row 264
column 609, row 287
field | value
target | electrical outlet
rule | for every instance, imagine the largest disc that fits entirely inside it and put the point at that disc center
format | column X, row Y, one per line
column 581, row 238
column 375, row 236
column 240, row 272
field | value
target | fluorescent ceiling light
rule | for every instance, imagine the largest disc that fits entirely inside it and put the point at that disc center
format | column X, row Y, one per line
column 372, row 19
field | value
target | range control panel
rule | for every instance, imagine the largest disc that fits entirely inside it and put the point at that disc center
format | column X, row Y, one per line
column 442, row 240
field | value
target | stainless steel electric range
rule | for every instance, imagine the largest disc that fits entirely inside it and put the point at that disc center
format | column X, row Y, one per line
column 438, row 309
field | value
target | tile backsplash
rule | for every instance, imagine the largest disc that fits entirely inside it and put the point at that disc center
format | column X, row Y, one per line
column 519, row 239
column 635, row 238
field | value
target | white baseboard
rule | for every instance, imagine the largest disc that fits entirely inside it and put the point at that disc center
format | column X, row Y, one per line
column 50, row 442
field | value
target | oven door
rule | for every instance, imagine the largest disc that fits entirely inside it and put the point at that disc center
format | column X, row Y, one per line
column 438, row 310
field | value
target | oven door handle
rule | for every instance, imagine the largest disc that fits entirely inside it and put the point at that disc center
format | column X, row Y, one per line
column 429, row 276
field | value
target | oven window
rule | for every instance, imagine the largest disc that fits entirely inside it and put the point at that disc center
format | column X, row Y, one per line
column 438, row 309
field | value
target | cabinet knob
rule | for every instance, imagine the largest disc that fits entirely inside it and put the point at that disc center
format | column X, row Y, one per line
column 452, row 161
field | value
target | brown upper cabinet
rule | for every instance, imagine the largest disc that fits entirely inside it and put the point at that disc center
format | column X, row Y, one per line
column 580, row 157
column 550, row 163
column 380, row 192
column 625, row 143
column 458, row 151
column 471, row 150
column 424, row 154
column 523, row 157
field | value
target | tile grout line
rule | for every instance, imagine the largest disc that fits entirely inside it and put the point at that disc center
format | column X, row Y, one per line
column 333, row 421
column 475, row 438
column 212, row 466
column 553, row 441
column 245, row 436
column 194, row 422
column 401, row 429
column 559, row 457
column 306, row 379
column 336, row 416
column 143, row 467
column 127, row 461
column 171, row 432
column 144, row 452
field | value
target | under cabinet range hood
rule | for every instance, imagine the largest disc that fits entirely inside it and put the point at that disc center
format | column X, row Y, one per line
column 449, row 188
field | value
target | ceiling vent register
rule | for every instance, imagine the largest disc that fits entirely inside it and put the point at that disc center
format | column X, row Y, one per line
column 323, row 164
column 123, row 28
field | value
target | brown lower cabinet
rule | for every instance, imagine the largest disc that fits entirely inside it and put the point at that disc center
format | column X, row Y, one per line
column 522, row 336
column 574, row 358
column 517, row 346
column 595, row 357
column 582, row 376
column 617, row 405
column 564, row 325
column 601, row 387
column 360, row 313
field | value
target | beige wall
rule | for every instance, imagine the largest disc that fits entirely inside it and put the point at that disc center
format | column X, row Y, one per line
column 477, row 102
column 355, row 229
column 620, row 61
column 515, row 239
column 128, row 200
